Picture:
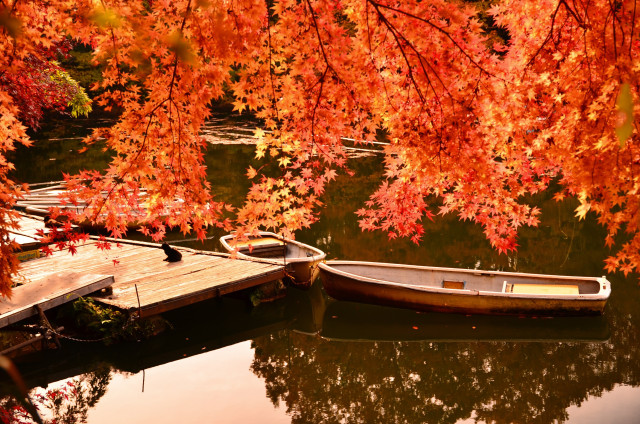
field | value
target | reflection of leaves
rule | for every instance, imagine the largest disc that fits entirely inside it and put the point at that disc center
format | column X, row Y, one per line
column 361, row 382
column 65, row 404
column 72, row 403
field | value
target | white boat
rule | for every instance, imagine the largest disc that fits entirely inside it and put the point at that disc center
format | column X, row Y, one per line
column 464, row 290
column 300, row 260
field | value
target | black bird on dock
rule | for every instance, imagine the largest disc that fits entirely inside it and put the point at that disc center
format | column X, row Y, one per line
column 172, row 254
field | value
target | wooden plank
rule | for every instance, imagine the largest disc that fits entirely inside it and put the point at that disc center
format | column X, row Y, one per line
column 259, row 242
column 88, row 259
column 29, row 225
column 176, row 283
column 195, row 293
column 90, row 251
column 155, row 269
column 210, row 292
column 25, row 242
column 49, row 188
column 212, row 265
column 221, row 287
column 48, row 293
column 195, row 282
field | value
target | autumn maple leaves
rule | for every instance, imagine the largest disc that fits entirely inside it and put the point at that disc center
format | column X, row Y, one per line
column 481, row 107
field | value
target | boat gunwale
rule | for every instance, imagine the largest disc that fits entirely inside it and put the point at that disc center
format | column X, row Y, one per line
column 318, row 254
column 602, row 294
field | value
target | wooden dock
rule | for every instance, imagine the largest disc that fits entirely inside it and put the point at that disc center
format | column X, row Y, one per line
column 145, row 283
column 47, row 293
column 29, row 226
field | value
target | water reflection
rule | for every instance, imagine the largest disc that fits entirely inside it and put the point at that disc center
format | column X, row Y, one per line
column 348, row 321
column 360, row 373
column 325, row 361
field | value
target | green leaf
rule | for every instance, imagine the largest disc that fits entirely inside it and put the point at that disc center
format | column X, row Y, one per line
column 625, row 104
column 181, row 47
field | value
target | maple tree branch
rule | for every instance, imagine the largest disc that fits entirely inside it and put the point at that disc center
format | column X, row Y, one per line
column 315, row 25
column 119, row 179
column 313, row 115
column 398, row 36
column 169, row 95
column 115, row 47
column 321, row 81
column 13, row 6
column 549, row 36
column 150, row 115
column 633, row 27
column 324, row 53
column 613, row 27
column 271, row 70
column 428, row 22
column 373, row 61
column 573, row 13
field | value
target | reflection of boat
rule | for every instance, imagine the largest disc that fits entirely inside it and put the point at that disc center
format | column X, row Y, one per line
column 301, row 260
column 351, row 321
column 462, row 290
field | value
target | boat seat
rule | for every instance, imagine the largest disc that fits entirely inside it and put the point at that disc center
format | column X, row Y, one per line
column 265, row 246
column 541, row 288
column 260, row 242
column 454, row 284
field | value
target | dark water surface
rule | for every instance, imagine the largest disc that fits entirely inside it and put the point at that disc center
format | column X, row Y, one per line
column 309, row 359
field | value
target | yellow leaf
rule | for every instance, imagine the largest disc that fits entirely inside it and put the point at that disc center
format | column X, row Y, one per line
column 181, row 47
column 284, row 161
column 581, row 211
column 105, row 17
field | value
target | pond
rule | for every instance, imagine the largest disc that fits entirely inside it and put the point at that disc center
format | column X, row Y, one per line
column 310, row 359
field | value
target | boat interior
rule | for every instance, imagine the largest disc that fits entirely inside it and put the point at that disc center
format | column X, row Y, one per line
column 273, row 248
column 486, row 281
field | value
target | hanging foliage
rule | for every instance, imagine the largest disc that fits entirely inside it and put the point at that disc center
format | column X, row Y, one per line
column 481, row 108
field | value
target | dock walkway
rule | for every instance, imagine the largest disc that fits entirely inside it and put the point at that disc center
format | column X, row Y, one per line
column 147, row 284
column 47, row 293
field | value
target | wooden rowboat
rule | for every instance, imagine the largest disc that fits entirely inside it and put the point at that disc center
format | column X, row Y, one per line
column 464, row 291
column 300, row 260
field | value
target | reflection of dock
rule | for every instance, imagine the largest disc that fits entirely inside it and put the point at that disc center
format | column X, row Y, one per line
column 148, row 285
column 195, row 330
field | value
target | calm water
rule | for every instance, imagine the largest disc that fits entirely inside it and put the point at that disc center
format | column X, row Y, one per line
column 310, row 359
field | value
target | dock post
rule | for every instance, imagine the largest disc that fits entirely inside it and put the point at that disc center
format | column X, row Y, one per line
column 48, row 329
